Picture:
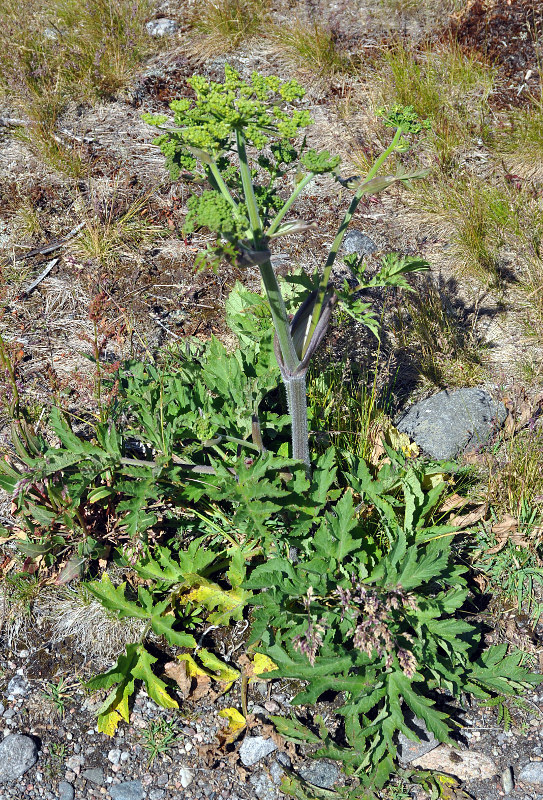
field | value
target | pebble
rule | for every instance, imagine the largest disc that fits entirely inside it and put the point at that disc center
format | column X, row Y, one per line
column 94, row 775
column 74, row 763
column 161, row 27
column 408, row 750
column 532, row 772
column 264, row 787
column 323, row 774
column 65, row 791
column 255, row 748
column 466, row 765
column 130, row 790
column 507, row 780
column 17, row 687
column 186, row 776
column 357, row 242
column 18, row 754
column 157, row 794
column 114, row 756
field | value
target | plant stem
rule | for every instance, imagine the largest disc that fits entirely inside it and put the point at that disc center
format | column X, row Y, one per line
column 279, row 316
column 297, row 406
column 290, row 202
column 336, row 244
column 221, row 185
column 248, row 190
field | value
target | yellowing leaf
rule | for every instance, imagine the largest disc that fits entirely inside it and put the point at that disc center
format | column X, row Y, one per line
column 226, row 605
column 107, row 723
column 236, row 724
column 218, row 670
column 401, row 442
column 261, row 665
column 429, row 481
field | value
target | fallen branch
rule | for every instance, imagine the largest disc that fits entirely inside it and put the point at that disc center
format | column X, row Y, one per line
column 38, row 280
column 46, row 248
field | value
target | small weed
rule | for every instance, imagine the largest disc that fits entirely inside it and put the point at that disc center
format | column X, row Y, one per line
column 58, row 694
column 57, row 754
column 519, row 479
column 312, row 48
column 224, row 25
column 159, row 737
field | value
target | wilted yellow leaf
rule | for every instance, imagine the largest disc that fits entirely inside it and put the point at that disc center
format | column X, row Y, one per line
column 261, row 665
column 236, row 724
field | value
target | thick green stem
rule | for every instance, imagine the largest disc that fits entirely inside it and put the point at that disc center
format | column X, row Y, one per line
column 336, row 244
column 221, row 185
column 279, row 316
column 248, row 190
column 297, row 406
column 290, row 202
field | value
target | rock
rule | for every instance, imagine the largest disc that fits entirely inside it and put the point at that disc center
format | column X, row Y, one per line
column 114, row 756
column 74, row 763
column 532, row 772
column 323, row 774
column 157, row 794
column 17, row 687
column 161, row 27
column 507, row 780
column 284, row 760
column 255, row 748
column 276, row 773
column 357, row 242
column 264, row 787
column 466, row 765
column 186, row 776
column 65, row 791
column 448, row 422
column 94, row 775
column 130, row 790
column 408, row 750
column 17, row 754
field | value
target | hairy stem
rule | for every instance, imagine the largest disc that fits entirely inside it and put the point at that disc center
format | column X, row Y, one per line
column 297, row 406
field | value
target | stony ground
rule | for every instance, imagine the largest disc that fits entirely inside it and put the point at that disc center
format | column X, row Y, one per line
column 153, row 298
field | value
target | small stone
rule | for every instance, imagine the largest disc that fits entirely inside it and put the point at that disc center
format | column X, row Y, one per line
column 188, row 747
column 114, row 756
column 9, row 714
column 255, row 748
column 264, row 787
column 532, row 772
column 130, row 790
column 17, row 687
column 124, row 757
column 284, row 760
column 74, row 763
column 323, row 774
column 449, row 422
column 162, row 780
column 157, row 794
column 2, row 709
column 65, row 791
column 276, row 773
column 507, row 780
column 271, row 706
column 70, row 776
column 94, row 775
column 408, row 750
column 186, row 776
column 357, row 242
column 162, row 27
column 466, row 765
column 18, row 754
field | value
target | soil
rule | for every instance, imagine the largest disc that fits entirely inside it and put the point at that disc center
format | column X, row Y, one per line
column 149, row 296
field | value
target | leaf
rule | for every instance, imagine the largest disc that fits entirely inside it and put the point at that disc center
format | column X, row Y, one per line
column 261, row 665
column 217, row 669
column 466, row 520
column 293, row 730
column 156, row 689
column 225, row 604
column 178, row 672
column 236, row 725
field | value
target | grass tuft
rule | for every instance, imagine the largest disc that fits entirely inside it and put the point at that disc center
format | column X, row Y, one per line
column 225, row 25
column 311, row 47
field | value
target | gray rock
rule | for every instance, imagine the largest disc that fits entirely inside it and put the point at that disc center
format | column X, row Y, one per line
column 2, row 709
column 130, row 790
column 276, row 773
column 254, row 748
column 17, row 687
column 323, row 774
column 284, row 760
column 162, row 27
column 532, row 772
column 409, row 750
column 264, row 788
column 114, row 756
column 507, row 780
column 449, row 422
column 94, row 775
column 357, row 242
column 17, row 754
column 65, row 791
column 157, row 794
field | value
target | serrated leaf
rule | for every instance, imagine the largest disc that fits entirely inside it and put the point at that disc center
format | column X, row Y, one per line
column 293, row 730
column 155, row 688
column 217, row 669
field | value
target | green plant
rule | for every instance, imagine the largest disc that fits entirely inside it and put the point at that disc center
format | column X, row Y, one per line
column 159, row 737
column 57, row 756
column 58, row 694
column 210, row 137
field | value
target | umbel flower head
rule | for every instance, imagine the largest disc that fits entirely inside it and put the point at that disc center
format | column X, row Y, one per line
column 208, row 123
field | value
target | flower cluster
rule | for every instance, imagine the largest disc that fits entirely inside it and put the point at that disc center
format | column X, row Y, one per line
column 310, row 641
column 372, row 616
